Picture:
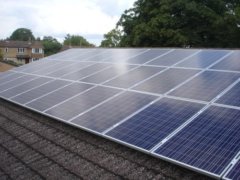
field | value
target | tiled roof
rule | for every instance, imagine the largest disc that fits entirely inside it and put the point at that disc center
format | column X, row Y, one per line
column 20, row 44
column 33, row 146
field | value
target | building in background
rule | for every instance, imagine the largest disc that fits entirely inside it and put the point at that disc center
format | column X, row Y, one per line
column 21, row 52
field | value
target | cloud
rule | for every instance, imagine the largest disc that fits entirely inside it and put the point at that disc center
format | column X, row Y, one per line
column 90, row 18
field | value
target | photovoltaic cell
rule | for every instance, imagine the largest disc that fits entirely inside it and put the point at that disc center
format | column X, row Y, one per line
column 231, row 62
column 85, row 72
column 153, row 124
column 147, row 56
column 58, row 96
column 68, row 69
column 16, row 82
column 203, row 59
column 206, row 86
column 172, row 58
column 24, row 87
column 231, row 97
column 209, row 142
column 82, row 102
column 113, row 111
column 39, row 91
column 109, row 73
column 165, row 81
column 135, row 76
column 235, row 172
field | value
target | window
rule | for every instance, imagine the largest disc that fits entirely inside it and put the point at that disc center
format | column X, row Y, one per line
column 37, row 50
column 6, row 50
column 20, row 50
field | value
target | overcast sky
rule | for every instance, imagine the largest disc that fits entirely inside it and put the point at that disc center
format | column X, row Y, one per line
column 88, row 18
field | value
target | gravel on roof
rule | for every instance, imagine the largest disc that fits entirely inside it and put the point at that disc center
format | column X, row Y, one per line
column 33, row 146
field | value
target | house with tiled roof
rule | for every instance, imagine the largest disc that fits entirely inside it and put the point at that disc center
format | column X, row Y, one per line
column 21, row 52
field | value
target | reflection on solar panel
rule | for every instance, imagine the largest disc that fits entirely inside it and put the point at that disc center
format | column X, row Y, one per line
column 206, row 86
column 176, row 112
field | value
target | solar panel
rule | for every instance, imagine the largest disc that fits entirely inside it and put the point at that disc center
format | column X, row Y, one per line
column 154, row 123
column 166, row 81
column 81, row 103
column 206, row 86
column 113, row 111
column 172, row 58
column 180, row 105
column 39, row 91
column 131, row 78
column 229, row 63
column 85, row 71
column 24, row 87
column 109, row 73
column 69, row 69
column 147, row 56
column 231, row 97
column 58, row 96
column 16, row 82
column 203, row 59
column 235, row 172
column 208, row 143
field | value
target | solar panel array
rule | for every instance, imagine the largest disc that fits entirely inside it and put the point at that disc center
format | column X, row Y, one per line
column 180, row 105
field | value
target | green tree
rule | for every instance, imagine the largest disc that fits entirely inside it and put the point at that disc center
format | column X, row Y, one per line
column 51, row 45
column 76, row 40
column 111, row 39
column 22, row 34
column 196, row 23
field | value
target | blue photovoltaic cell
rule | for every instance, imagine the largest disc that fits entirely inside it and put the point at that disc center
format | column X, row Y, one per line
column 58, row 96
column 16, row 82
column 232, row 97
column 85, row 72
column 113, row 111
column 147, row 56
column 235, row 172
column 135, row 76
column 209, row 142
column 203, row 59
column 83, row 56
column 231, row 62
column 165, row 81
column 68, row 69
column 39, row 91
column 206, row 86
column 156, row 122
column 24, row 87
column 108, row 73
column 172, row 58
column 82, row 102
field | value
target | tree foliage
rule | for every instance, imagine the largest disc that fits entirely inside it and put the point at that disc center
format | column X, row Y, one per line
column 195, row 23
column 76, row 40
column 111, row 39
column 51, row 45
column 1, row 55
column 22, row 34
